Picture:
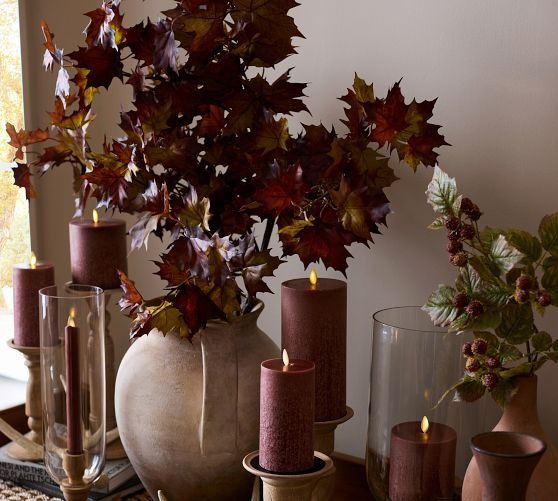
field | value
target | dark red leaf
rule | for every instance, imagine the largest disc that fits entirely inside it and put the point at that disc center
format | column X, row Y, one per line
column 22, row 178
column 389, row 116
column 196, row 307
column 131, row 298
column 103, row 64
column 283, row 191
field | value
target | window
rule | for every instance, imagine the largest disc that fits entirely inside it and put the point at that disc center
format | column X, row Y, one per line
column 14, row 209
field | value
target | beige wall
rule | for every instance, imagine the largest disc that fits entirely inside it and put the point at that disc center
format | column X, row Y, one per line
column 494, row 66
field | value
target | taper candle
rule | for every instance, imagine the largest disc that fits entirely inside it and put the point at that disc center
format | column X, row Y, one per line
column 73, row 387
column 27, row 279
column 287, row 415
column 422, row 461
column 97, row 251
column 314, row 327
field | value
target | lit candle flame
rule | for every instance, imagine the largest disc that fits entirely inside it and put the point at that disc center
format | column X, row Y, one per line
column 285, row 360
column 313, row 277
column 33, row 261
column 424, row 424
column 71, row 316
column 95, row 216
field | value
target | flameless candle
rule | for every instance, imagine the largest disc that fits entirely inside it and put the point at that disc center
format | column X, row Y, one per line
column 27, row 280
column 287, row 415
column 314, row 327
column 97, row 251
column 422, row 461
column 73, row 387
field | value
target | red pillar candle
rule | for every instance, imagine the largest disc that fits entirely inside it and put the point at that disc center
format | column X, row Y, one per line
column 73, row 387
column 422, row 463
column 314, row 327
column 97, row 250
column 287, row 415
column 27, row 280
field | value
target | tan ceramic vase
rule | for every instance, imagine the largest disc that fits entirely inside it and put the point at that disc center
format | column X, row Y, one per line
column 521, row 415
column 189, row 412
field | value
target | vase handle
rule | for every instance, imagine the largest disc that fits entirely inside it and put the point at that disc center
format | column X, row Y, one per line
column 219, row 421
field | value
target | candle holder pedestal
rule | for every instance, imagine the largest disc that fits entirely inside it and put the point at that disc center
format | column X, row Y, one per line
column 33, row 409
column 289, row 487
column 324, row 432
column 324, row 442
column 73, row 487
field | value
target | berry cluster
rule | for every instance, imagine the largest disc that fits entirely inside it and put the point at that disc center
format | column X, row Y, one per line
column 459, row 230
column 474, row 308
column 526, row 287
column 481, row 363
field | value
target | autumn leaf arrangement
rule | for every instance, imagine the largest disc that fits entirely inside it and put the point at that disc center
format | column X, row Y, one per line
column 506, row 278
column 206, row 152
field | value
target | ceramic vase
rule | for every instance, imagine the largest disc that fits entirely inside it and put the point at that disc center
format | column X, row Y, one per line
column 506, row 461
column 521, row 415
column 188, row 412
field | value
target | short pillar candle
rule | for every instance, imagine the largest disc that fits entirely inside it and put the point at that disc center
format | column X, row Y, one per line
column 27, row 279
column 314, row 327
column 287, row 415
column 97, row 251
column 422, row 461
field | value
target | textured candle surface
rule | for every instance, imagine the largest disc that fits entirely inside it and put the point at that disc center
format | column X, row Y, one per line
column 97, row 251
column 422, row 465
column 287, row 416
column 314, row 327
column 27, row 282
column 73, row 390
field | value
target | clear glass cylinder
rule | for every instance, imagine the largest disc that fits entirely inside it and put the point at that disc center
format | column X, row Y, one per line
column 413, row 364
column 73, row 378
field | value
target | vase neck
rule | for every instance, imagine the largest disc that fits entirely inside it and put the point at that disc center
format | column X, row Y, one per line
column 522, row 408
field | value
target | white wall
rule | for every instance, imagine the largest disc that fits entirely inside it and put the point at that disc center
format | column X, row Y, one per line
column 494, row 67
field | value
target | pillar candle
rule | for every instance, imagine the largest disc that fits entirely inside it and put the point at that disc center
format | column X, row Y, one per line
column 287, row 416
column 97, row 251
column 422, row 464
column 314, row 327
column 27, row 280
column 73, row 388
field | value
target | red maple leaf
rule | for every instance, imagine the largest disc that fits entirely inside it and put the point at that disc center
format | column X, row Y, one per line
column 389, row 116
column 283, row 191
column 131, row 298
column 103, row 64
column 196, row 307
column 22, row 178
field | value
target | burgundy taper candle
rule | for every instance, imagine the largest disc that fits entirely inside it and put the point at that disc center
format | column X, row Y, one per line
column 422, row 464
column 97, row 251
column 314, row 327
column 73, row 388
column 287, row 416
column 27, row 280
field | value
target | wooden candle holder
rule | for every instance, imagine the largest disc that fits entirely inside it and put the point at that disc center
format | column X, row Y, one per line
column 289, row 487
column 324, row 432
column 74, row 487
column 33, row 410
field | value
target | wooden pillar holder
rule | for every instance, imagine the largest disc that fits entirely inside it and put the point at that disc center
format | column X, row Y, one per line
column 324, row 432
column 288, row 487
column 33, row 409
column 74, row 487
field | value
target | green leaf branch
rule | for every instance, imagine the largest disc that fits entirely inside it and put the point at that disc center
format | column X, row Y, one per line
column 505, row 279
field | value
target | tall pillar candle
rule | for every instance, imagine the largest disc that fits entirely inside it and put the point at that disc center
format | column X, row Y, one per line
column 314, row 327
column 287, row 415
column 27, row 279
column 97, row 251
column 73, row 387
column 422, row 461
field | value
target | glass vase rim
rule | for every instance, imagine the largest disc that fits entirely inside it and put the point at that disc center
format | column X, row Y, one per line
column 93, row 289
column 434, row 327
